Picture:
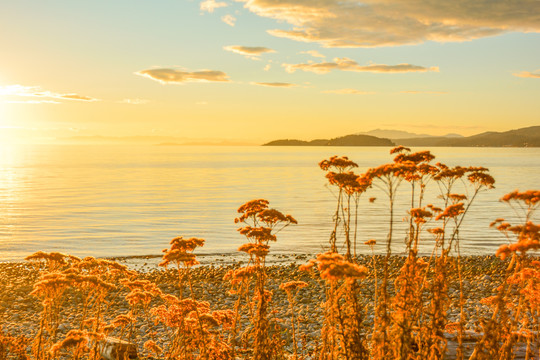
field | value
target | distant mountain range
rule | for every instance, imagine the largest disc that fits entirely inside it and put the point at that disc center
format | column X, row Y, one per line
column 524, row 137
column 398, row 134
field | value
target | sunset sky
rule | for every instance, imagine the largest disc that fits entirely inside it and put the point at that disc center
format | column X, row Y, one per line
column 250, row 71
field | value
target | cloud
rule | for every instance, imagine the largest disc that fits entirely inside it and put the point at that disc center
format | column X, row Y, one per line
column 313, row 53
column 267, row 67
column 175, row 76
column 274, row 84
column 36, row 91
column 76, row 97
column 251, row 52
column 32, row 102
column 347, row 64
column 211, row 5
column 135, row 101
column 527, row 74
column 229, row 20
column 348, row 92
column 423, row 92
column 370, row 23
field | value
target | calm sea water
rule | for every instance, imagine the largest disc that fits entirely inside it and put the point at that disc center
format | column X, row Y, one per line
column 131, row 200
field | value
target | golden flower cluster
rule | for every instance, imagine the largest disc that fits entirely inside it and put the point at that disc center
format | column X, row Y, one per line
column 420, row 215
column 77, row 339
column 273, row 216
column 451, row 211
column 259, row 250
column 251, row 208
column 529, row 197
column 399, row 149
column 239, row 275
column 339, row 163
column 349, row 181
column 292, row 285
column 333, row 266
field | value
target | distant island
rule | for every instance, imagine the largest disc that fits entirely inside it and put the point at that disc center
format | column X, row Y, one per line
column 524, row 137
column 349, row 140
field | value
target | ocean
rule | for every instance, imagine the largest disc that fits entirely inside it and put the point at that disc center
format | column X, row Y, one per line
column 130, row 200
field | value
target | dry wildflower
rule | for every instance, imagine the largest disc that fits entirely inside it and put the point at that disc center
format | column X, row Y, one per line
column 52, row 256
column 76, row 339
column 224, row 317
column 292, row 285
column 239, row 275
column 151, row 346
column 178, row 256
column 446, row 173
column 436, row 231
column 340, row 163
column 481, row 179
column 184, row 245
column 260, row 234
column 420, row 215
column 435, row 209
column 496, row 221
column 529, row 197
column 451, row 211
column 122, row 320
column 251, row 208
column 273, row 216
column 399, row 149
column 370, row 242
column 372, row 199
column 349, row 181
column 415, row 158
column 333, row 266
column 457, row 197
column 308, row 266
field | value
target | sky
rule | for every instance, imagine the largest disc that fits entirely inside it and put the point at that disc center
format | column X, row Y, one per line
column 251, row 71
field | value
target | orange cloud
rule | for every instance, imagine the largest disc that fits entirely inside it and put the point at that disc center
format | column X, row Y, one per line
column 36, row 91
column 423, row 92
column 211, row 5
column 527, row 74
column 252, row 52
column 313, row 53
column 175, row 76
column 229, row 20
column 346, row 64
column 370, row 23
column 274, row 84
column 348, row 92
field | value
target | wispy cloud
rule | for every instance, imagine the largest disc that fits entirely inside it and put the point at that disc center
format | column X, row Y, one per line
column 527, row 74
column 251, row 52
column 347, row 64
column 135, row 101
column 229, row 19
column 176, row 76
column 348, row 92
column 274, row 84
column 313, row 53
column 423, row 92
column 369, row 23
column 211, row 5
column 36, row 91
column 32, row 102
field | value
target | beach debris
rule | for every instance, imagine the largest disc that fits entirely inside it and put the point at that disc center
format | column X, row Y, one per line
column 111, row 348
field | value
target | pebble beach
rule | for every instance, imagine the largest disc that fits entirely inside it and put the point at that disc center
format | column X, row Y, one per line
column 20, row 312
